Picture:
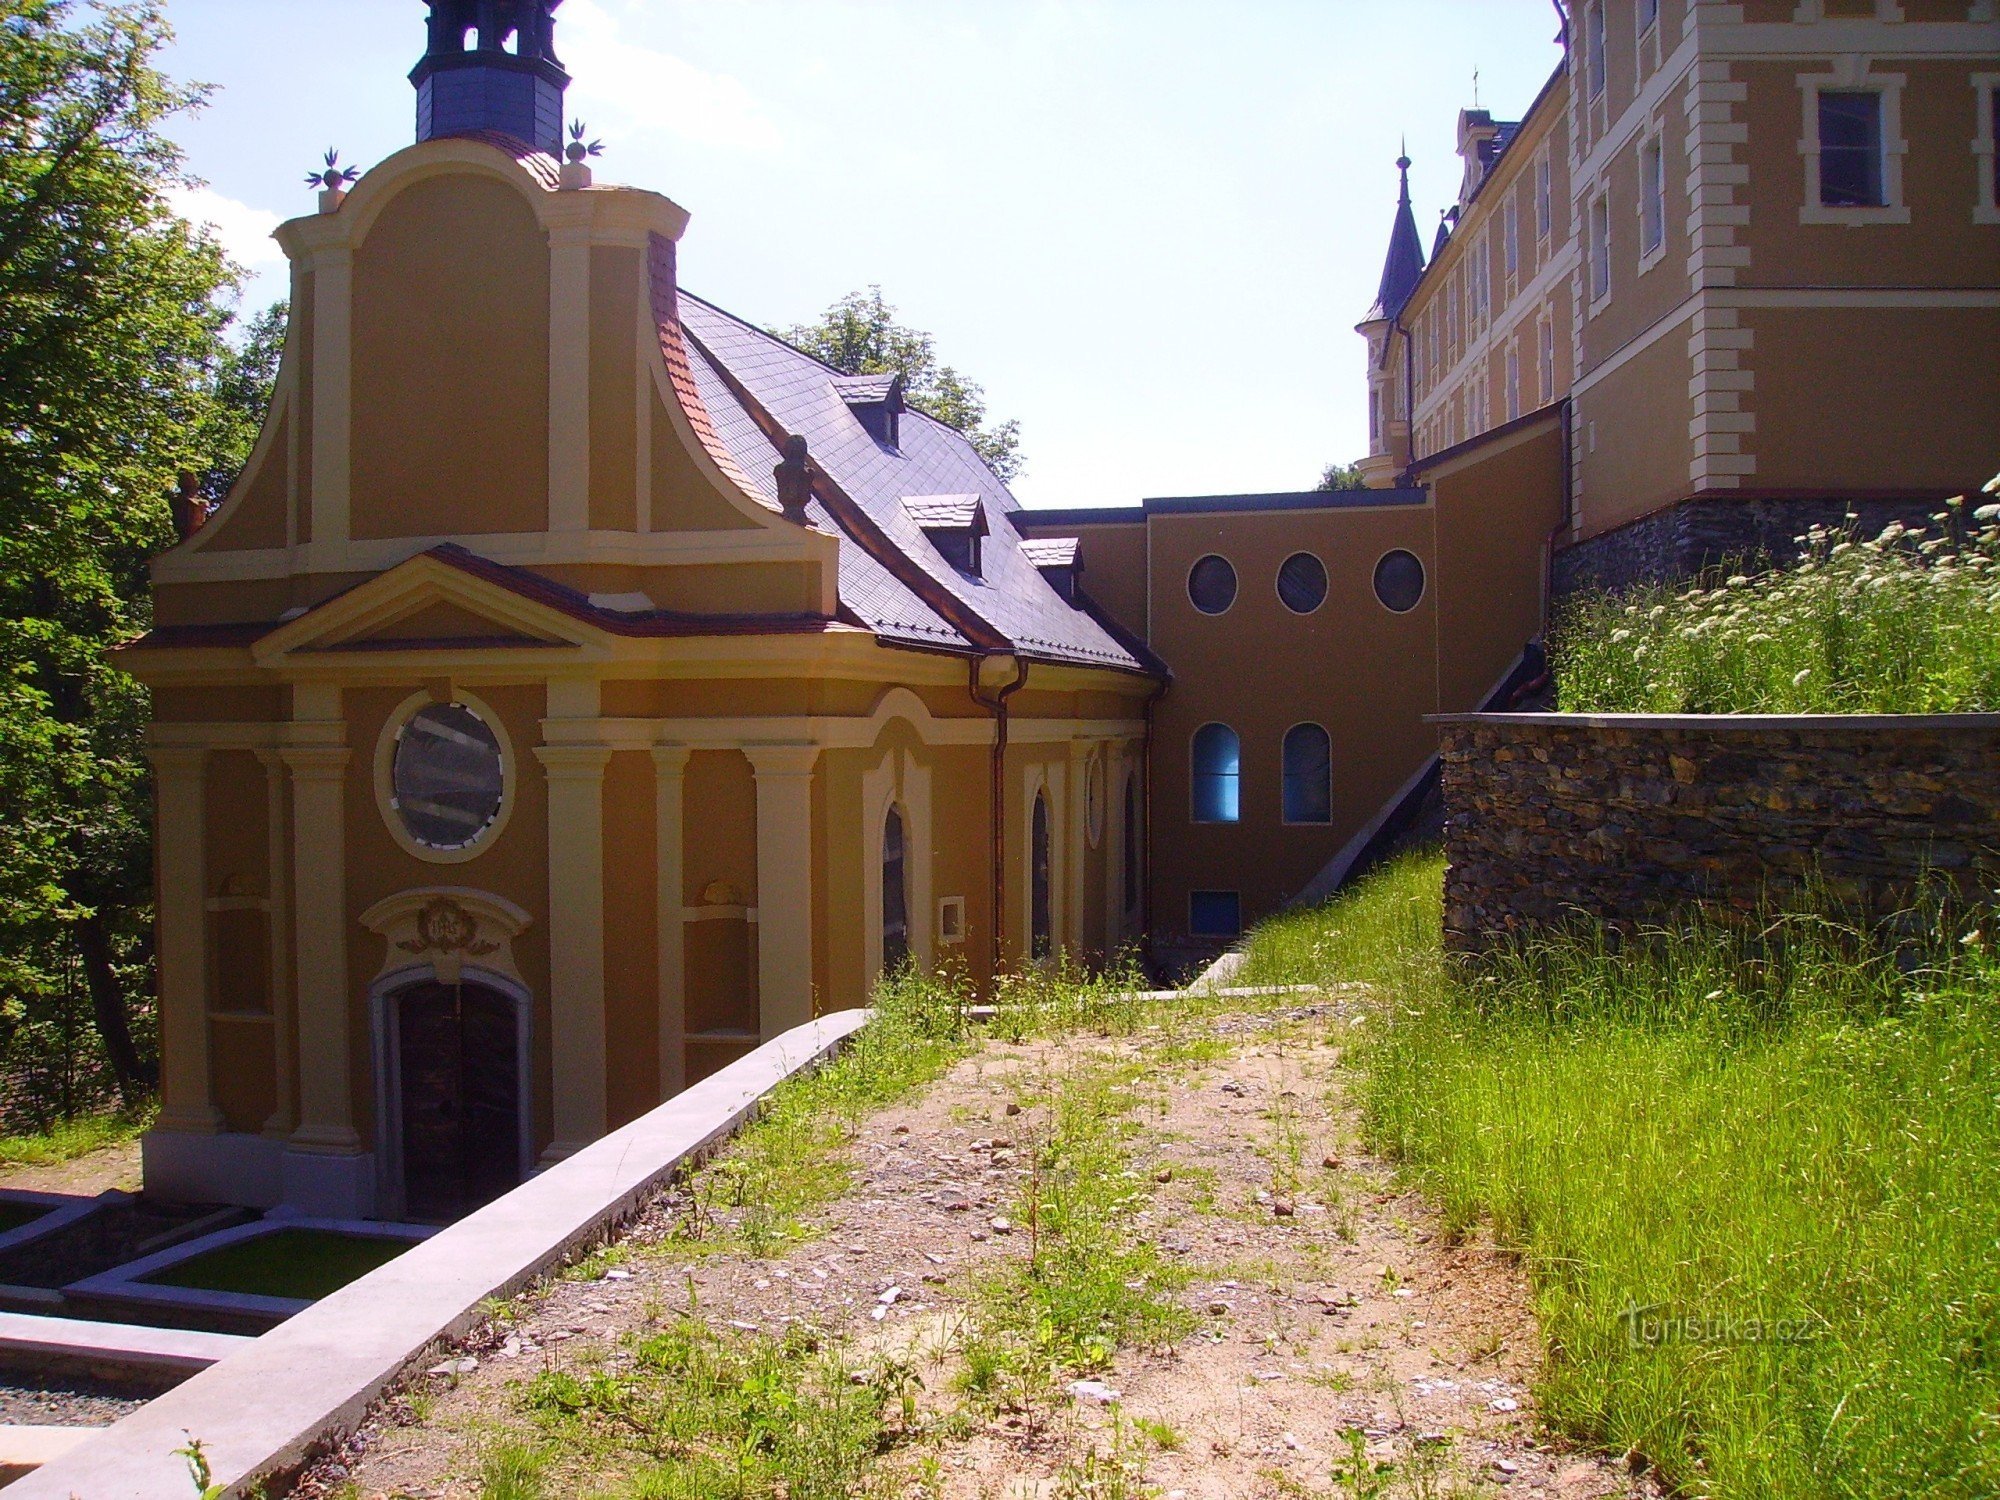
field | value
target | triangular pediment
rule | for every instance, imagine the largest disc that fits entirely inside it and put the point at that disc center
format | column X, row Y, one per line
column 434, row 603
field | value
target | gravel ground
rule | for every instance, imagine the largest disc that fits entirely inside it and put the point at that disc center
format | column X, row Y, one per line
column 61, row 1401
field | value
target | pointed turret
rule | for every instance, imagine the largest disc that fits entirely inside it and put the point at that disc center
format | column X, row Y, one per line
column 1405, row 262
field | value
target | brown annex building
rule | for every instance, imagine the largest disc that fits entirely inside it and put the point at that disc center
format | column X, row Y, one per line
column 580, row 685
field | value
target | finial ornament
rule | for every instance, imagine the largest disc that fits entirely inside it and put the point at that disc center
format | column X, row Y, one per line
column 577, row 155
column 333, row 181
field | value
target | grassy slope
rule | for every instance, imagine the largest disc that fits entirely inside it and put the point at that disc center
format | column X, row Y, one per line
column 72, row 1138
column 1795, row 1167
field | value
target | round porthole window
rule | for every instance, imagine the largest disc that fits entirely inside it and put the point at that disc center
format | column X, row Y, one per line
column 448, row 778
column 1399, row 581
column 1302, row 583
column 1212, row 585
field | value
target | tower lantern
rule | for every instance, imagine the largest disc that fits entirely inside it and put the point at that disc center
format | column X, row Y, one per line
column 492, row 65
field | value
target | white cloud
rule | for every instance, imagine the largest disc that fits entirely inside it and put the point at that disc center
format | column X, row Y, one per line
column 243, row 231
column 642, row 88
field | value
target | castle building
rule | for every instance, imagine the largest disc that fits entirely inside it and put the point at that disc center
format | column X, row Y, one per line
column 580, row 685
column 1736, row 270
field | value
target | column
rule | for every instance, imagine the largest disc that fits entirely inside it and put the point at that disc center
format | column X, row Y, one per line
column 1114, row 847
column 319, row 903
column 784, row 884
column 669, row 775
column 283, row 1009
column 576, row 943
column 187, row 1102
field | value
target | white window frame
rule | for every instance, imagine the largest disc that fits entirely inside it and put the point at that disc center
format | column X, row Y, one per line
column 1510, row 239
column 1545, row 204
column 1513, row 378
column 1546, row 358
column 1850, row 75
column 1597, row 249
column 1652, row 145
column 1985, row 88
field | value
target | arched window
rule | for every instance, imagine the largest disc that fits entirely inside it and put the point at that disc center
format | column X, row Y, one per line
column 1132, row 844
column 1041, row 927
column 1308, row 775
column 1217, row 774
column 895, row 895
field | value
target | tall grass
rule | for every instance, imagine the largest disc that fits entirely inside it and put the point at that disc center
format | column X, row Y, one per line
column 1903, row 622
column 1755, row 1177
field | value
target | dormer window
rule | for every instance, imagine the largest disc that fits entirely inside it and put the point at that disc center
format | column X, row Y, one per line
column 877, row 404
column 954, row 524
column 1054, row 558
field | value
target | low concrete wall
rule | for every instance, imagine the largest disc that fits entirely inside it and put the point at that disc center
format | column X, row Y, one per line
column 263, row 1410
column 1624, row 817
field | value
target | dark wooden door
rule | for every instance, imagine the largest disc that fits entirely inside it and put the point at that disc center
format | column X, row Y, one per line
column 460, row 1099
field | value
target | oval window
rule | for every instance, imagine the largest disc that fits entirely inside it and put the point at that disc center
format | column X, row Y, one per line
column 1212, row 585
column 448, row 778
column 1302, row 583
column 1399, row 581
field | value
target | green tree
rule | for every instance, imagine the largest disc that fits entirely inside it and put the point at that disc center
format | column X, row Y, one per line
column 859, row 335
column 1341, row 477
column 112, row 365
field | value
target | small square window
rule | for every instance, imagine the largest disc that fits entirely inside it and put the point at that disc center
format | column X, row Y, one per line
column 1850, row 149
column 951, row 919
column 1215, row 914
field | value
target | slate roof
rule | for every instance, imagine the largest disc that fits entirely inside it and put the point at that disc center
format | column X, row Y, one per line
column 1403, row 267
column 942, row 512
column 913, row 595
column 1050, row 551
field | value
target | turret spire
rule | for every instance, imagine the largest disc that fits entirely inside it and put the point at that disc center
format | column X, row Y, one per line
column 1404, row 263
column 463, row 89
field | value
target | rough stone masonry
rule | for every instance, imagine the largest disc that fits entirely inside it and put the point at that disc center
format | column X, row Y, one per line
column 1625, row 817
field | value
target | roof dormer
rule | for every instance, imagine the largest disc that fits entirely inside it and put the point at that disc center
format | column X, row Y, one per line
column 877, row 404
column 954, row 524
column 1054, row 558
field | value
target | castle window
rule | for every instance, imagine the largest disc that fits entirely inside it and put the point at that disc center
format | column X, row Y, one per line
column 448, row 778
column 895, row 895
column 1545, row 209
column 1548, row 371
column 1302, row 583
column 1600, row 249
column 1594, row 40
column 1041, row 921
column 1511, row 240
column 1218, row 776
column 1850, row 149
column 1649, row 15
column 1986, row 94
column 1211, row 585
column 1513, row 380
column 1308, row 775
column 1215, row 914
column 1399, row 581
column 1652, row 201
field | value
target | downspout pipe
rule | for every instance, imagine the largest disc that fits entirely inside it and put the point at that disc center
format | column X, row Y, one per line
column 996, row 705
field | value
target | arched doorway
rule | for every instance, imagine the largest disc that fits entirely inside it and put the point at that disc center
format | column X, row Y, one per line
column 895, row 895
column 457, row 1096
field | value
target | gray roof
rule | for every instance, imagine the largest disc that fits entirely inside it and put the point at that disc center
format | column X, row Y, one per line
column 932, row 460
column 943, row 512
column 1050, row 551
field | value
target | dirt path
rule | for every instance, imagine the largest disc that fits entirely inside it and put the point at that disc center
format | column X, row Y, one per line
column 113, row 1167
column 1339, row 1346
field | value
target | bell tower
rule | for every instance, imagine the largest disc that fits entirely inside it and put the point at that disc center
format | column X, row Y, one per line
column 491, row 65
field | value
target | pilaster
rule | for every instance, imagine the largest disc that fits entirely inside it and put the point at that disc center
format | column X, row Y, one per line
column 1077, row 839
column 576, row 943
column 569, row 377
column 186, row 1092
column 284, row 1115
column 319, row 903
column 333, row 395
column 784, row 884
column 669, row 780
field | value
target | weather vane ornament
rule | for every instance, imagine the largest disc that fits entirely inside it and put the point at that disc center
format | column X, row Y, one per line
column 576, row 169
column 333, row 181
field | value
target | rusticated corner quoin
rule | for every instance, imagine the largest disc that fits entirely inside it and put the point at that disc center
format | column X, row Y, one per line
column 1623, row 818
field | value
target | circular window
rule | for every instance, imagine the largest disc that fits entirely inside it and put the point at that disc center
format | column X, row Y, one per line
column 1212, row 585
column 1399, row 581
column 448, row 778
column 1302, row 583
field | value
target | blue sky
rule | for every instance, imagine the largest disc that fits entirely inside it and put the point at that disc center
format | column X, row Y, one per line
column 1146, row 226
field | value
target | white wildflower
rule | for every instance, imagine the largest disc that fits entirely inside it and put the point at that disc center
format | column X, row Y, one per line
column 1738, row 581
column 1987, row 513
column 1799, row 677
column 1620, row 635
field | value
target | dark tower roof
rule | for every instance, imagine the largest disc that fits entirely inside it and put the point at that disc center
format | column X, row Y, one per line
column 1445, row 221
column 1404, row 265
column 468, row 82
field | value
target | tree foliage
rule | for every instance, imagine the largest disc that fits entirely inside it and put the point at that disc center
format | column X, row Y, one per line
column 114, row 377
column 1341, row 477
column 859, row 335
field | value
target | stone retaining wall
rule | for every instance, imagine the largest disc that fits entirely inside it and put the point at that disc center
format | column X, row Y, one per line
column 1625, row 817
